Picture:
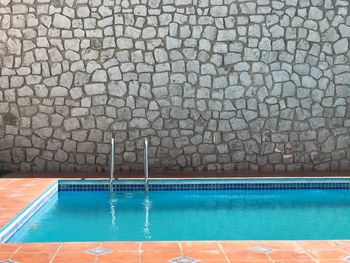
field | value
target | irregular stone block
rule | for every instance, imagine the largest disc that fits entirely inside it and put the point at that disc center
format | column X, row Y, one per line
column 139, row 123
column 71, row 124
column 173, row 43
column 14, row 46
column 238, row 124
column 95, row 89
column 160, row 79
column 59, row 92
column 86, row 147
column 40, row 120
column 341, row 46
column 219, row 11
column 344, row 30
column 61, row 21
column 117, row 88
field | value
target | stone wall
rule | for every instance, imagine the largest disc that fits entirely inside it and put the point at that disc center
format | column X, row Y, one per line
column 213, row 84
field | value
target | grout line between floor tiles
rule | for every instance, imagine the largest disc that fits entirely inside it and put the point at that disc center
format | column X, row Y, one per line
column 180, row 246
column 310, row 255
column 268, row 256
column 299, row 247
column 337, row 244
column 344, row 250
column 303, row 250
column 57, row 250
column 140, row 252
column 18, row 248
column 223, row 251
column 97, row 256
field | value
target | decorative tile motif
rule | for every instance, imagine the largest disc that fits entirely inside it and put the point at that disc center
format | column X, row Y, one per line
column 347, row 258
column 261, row 249
column 8, row 261
column 184, row 259
column 98, row 251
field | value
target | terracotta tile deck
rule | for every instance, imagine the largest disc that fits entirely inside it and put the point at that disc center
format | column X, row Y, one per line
column 157, row 252
column 17, row 193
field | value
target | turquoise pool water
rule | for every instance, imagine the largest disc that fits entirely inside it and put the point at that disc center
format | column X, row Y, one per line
column 191, row 215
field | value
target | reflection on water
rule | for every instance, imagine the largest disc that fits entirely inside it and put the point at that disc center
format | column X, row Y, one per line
column 147, row 204
column 113, row 205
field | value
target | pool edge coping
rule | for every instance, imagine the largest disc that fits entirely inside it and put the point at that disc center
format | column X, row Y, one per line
column 11, row 227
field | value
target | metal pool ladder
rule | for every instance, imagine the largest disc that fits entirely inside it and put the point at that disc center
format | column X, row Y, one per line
column 145, row 163
column 111, row 169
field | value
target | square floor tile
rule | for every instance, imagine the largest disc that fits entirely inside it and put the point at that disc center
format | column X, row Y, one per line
column 98, row 251
column 184, row 259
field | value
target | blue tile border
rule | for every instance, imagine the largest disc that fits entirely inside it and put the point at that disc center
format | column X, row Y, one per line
column 15, row 224
column 183, row 185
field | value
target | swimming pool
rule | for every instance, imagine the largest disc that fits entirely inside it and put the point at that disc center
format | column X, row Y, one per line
column 269, row 209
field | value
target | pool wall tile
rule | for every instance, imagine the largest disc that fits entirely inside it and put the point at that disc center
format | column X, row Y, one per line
column 204, row 186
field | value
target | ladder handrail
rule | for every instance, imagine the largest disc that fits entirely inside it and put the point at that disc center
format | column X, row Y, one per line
column 111, row 170
column 145, row 163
